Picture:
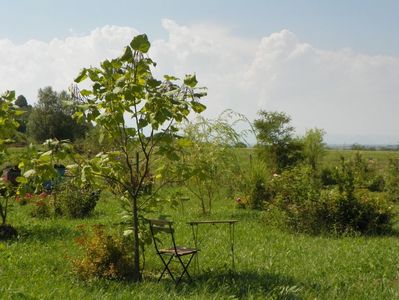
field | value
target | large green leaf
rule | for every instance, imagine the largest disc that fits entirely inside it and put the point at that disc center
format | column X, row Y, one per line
column 82, row 76
column 127, row 54
column 140, row 43
column 190, row 80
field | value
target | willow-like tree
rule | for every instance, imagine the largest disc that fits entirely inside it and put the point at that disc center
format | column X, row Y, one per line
column 139, row 114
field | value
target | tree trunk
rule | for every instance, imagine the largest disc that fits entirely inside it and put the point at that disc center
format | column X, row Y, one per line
column 136, row 245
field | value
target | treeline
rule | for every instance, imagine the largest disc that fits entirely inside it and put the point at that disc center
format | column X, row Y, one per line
column 51, row 117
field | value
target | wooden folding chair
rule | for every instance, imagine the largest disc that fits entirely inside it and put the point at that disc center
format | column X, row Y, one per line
column 174, row 252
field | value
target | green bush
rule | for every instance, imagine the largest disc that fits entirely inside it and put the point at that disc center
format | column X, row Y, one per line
column 376, row 184
column 327, row 177
column 255, row 188
column 297, row 193
column 366, row 212
column 41, row 205
column 392, row 181
column 308, row 208
column 105, row 256
column 74, row 201
column 260, row 188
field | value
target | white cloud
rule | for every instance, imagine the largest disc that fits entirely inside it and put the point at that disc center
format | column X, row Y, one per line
column 35, row 64
column 344, row 92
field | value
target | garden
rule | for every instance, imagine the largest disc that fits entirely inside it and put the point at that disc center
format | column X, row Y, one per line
column 310, row 222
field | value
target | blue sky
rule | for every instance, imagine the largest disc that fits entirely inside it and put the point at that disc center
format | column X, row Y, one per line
column 328, row 64
column 363, row 25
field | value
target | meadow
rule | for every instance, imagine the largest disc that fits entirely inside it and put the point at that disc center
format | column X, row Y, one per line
column 271, row 263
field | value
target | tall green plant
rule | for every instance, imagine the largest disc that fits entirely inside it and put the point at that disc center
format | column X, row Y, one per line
column 8, row 128
column 209, row 156
column 276, row 142
column 314, row 147
column 139, row 114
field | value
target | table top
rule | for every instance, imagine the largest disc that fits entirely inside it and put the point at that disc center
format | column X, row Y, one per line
column 212, row 222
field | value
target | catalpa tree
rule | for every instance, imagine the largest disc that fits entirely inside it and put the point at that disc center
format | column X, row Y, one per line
column 139, row 114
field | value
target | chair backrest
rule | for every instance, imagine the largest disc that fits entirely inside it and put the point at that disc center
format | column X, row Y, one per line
column 161, row 226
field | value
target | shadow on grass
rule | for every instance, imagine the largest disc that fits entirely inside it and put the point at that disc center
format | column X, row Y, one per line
column 42, row 233
column 240, row 285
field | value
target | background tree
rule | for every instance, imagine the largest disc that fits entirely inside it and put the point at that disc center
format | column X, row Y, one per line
column 23, row 105
column 21, row 101
column 138, row 113
column 51, row 117
column 314, row 147
column 276, row 141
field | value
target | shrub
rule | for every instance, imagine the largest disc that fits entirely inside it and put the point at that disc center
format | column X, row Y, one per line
column 376, row 184
column 365, row 213
column 255, row 187
column 105, row 256
column 308, row 208
column 41, row 205
column 75, row 201
column 392, row 181
column 297, row 192
column 327, row 177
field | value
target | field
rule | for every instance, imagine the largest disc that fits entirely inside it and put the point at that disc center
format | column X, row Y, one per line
column 270, row 263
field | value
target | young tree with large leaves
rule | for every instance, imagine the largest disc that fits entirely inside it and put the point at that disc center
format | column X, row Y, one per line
column 8, row 127
column 139, row 114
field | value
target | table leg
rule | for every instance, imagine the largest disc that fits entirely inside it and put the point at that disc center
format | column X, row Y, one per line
column 194, row 228
column 232, row 244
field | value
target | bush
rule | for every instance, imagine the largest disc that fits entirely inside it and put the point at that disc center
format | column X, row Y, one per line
column 308, row 208
column 256, row 188
column 74, row 201
column 327, row 177
column 105, row 256
column 392, row 181
column 366, row 212
column 42, row 205
column 297, row 193
column 376, row 184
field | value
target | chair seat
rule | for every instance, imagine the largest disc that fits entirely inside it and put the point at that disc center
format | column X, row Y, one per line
column 180, row 251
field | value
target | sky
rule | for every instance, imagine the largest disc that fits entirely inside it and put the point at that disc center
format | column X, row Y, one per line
column 333, row 65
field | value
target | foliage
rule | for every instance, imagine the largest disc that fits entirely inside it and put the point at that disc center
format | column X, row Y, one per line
column 276, row 141
column 51, row 117
column 105, row 256
column 314, row 147
column 42, row 206
column 124, row 89
column 209, row 161
column 308, row 208
column 75, row 200
column 8, row 126
column 327, row 176
column 21, row 101
column 258, row 187
column 392, row 180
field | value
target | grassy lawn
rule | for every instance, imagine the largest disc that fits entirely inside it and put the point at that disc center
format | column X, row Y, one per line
column 269, row 263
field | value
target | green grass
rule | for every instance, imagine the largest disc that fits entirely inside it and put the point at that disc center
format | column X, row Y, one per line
column 381, row 158
column 269, row 263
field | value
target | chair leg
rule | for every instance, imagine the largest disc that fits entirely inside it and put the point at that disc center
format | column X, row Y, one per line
column 185, row 267
column 166, row 268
